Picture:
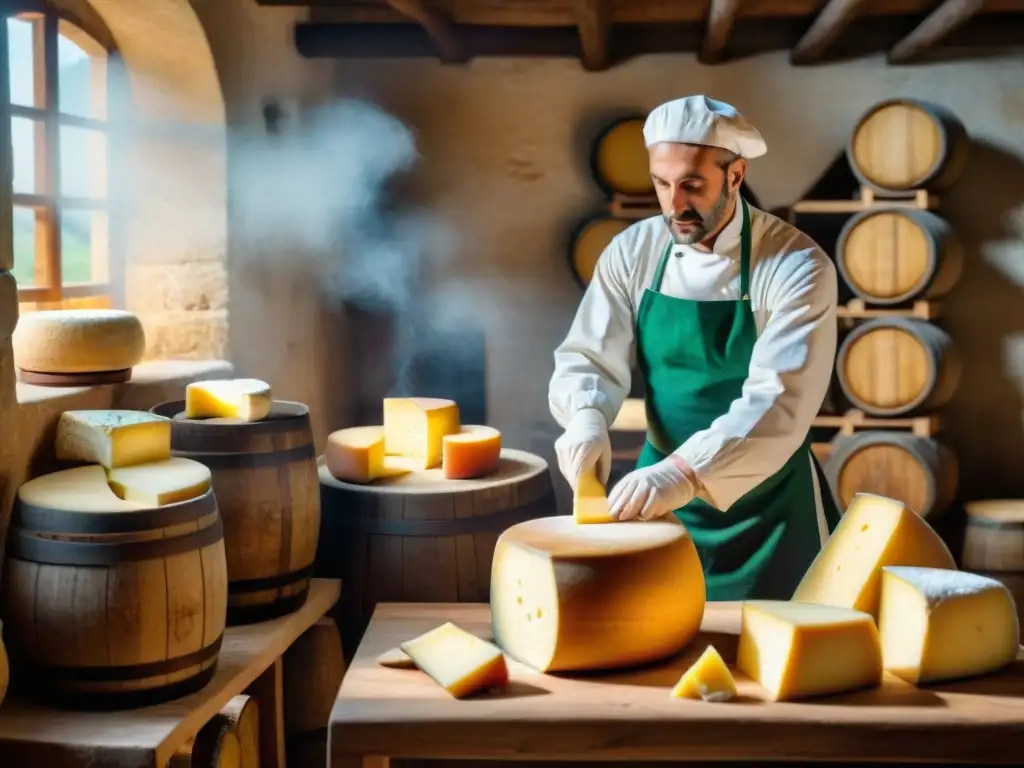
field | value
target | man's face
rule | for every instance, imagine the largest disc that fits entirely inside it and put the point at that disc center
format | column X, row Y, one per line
column 695, row 185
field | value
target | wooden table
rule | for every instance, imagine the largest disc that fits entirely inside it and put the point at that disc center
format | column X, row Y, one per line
column 629, row 716
column 33, row 735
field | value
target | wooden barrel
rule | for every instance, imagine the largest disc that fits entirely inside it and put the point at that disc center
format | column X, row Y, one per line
column 242, row 715
column 113, row 610
column 893, row 255
column 313, row 669
column 422, row 538
column 919, row 471
column 994, row 535
column 893, row 366
column 619, row 159
column 589, row 241
column 264, row 476
column 905, row 144
column 215, row 746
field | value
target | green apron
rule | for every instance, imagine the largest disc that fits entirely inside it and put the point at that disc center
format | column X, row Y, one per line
column 695, row 357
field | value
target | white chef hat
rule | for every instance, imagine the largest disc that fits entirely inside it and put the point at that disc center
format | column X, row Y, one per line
column 700, row 120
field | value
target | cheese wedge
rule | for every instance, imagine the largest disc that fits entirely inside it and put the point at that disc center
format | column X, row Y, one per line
column 161, row 482
column 937, row 624
column 415, row 427
column 708, row 678
column 82, row 489
column 457, row 660
column 113, row 438
column 875, row 531
column 356, row 455
column 243, row 399
column 585, row 597
column 396, row 658
column 589, row 500
column 474, row 451
column 800, row 650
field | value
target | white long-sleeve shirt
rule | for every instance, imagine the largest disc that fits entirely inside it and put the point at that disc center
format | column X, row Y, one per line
column 793, row 293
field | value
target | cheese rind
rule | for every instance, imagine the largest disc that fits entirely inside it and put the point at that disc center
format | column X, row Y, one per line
column 874, row 532
column 937, row 624
column 474, row 451
column 113, row 438
column 160, row 483
column 82, row 489
column 800, row 650
column 458, row 661
column 243, row 399
column 78, row 341
column 590, row 500
column 580, row 597
column 415, row 427
column 708, row 679
column 356, row 455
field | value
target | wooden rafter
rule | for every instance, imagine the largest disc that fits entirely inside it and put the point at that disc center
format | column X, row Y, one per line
column 828, row 25
column 593, row 18
column 939, row 23
column 437, row 25
column 721, row 19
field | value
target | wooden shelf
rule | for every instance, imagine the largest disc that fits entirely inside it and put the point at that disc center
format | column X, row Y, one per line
column 858, row 309
column 629, row 207
column 853, row 420
column 632, row 416
column 31, row 734
column 868, row 200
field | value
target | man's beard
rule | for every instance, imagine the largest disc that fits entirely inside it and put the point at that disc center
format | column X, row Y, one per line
column 705, row 223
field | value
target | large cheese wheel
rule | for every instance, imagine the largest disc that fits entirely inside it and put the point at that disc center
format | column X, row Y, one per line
column 78, row 341
column 580, row 597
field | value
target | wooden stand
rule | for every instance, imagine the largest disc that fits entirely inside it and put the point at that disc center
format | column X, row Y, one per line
column 93, row 378
column 250, row 661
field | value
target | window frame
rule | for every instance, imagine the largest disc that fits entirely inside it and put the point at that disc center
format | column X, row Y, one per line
column 50, row 22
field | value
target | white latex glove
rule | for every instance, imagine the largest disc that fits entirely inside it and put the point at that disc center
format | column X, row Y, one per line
column 584, row 443
column 651, row 492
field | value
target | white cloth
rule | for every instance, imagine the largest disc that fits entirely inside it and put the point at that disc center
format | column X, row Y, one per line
column 793, row 292
column 700, row 120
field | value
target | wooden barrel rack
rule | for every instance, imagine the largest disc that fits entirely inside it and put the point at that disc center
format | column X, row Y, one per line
column 264, row 477
column 422, row 538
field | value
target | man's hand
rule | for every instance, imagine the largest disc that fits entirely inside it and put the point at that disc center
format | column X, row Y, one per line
column 584, row 443
column 651, row 492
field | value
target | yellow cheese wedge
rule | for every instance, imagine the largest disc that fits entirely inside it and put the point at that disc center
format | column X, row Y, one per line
column 589, row 500
column 244, row 399
column 82, row 489
column 709, row 679
column 458, row 661
column 356, row 455
column 937, row 624
column 875, row 531
column 161, row 482
column 113, row 438
column 474, row 451
column 396, row 658
column 414, row 427
column 800, row 650
column 577, row 597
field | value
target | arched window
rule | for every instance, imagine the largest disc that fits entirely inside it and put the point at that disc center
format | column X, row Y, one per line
column 58, row 112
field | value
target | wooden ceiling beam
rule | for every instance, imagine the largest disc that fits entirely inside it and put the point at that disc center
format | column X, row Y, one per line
column 437, row 25
column 594, row 21
column 721, row 19
column 937, row 25
column 828, row 25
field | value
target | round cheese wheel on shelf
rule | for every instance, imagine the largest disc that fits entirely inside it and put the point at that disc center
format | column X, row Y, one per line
column 566, row 596
column 78, row 341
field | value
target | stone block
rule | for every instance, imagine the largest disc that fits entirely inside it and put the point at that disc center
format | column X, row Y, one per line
column 186, row 335
column 193, row 287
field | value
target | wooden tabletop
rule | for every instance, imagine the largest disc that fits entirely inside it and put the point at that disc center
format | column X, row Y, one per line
column 33, row 735
column 630, row 716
